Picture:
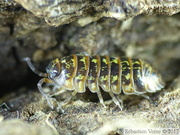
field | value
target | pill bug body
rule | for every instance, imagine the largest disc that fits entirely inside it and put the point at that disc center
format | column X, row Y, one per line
column 114, row 75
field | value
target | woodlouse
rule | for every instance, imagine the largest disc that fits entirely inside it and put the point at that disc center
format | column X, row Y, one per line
column 112, row 74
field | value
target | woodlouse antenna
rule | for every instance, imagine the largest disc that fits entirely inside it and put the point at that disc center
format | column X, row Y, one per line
column 43, row 80
column 31, row 66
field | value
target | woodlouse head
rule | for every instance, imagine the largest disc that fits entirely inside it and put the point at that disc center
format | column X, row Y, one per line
column 53, row 69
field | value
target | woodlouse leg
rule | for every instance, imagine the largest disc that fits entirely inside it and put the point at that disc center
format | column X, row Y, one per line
column 116, row 101
column 149, row 99
column 67, row 100
column 54, row 85
column 47, row 97
column 60, row 91
column 58, row 106
column 120, row 101
column 145, row 96
column 100, row 98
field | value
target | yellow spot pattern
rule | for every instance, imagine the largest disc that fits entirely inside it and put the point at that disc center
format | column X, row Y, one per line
column 54, row 62
column 80, row 77
column 103, row 78
column 115, row 61
column 105, row 61
column 94, row 60
column 114, row 78
column 128, row 76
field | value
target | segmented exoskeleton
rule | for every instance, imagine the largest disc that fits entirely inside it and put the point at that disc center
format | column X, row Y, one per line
column 113, row 74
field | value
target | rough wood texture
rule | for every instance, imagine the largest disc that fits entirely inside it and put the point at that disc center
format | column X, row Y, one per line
column 58, row 12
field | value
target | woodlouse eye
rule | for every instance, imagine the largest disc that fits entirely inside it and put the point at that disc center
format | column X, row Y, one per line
column 53, row 74
column 53, row 70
